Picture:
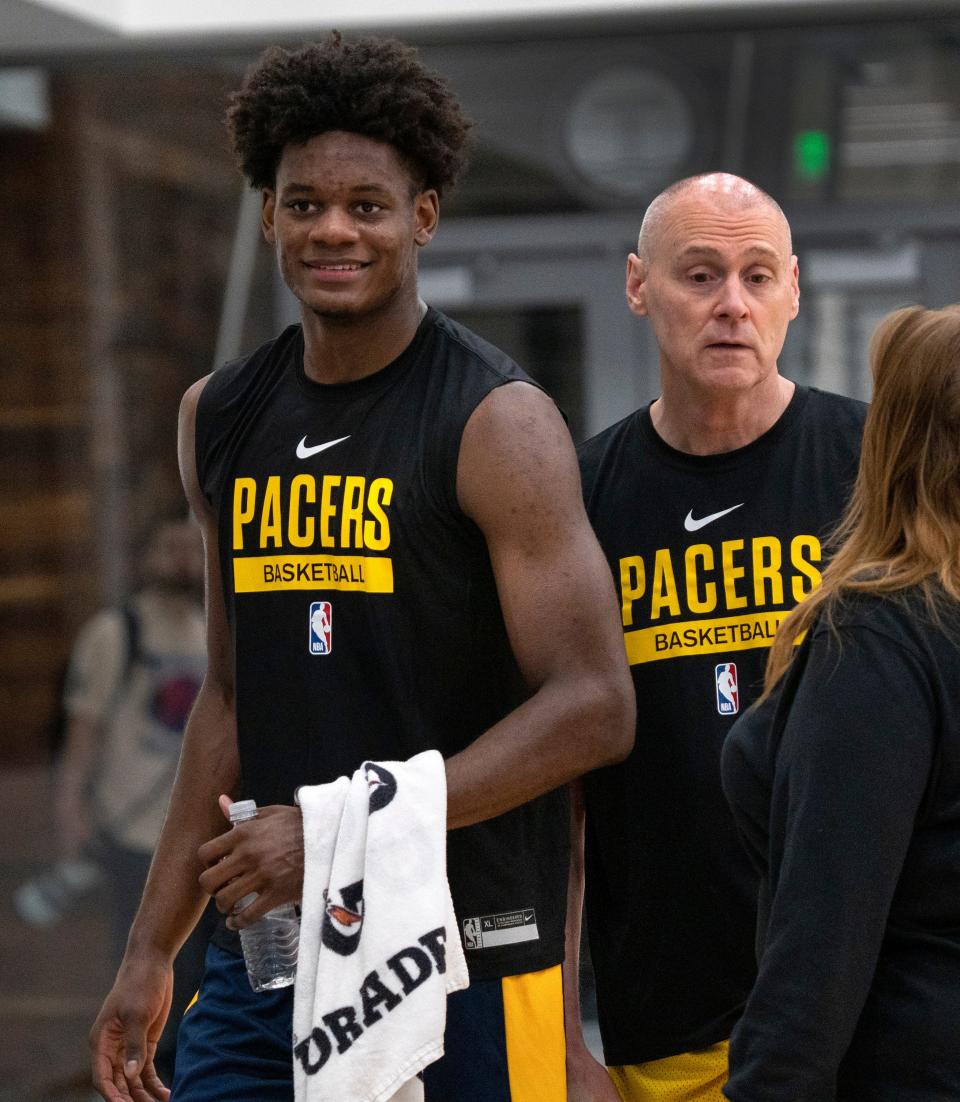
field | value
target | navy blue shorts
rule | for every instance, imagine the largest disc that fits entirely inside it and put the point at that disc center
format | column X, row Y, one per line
column 504, row 1041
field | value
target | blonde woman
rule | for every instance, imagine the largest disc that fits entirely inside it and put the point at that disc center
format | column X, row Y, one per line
column 845, row 778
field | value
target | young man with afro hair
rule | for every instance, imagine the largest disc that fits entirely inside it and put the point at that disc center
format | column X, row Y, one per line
column 471, row 611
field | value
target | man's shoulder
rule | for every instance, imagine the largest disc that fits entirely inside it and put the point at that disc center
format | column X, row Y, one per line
column 237, row 386
column 593, row 451
column 237, row 373
column 827, row 404
column 609, row 460
column 828, row 429
column 626, row 427
column 462, row 347
column 96, row 655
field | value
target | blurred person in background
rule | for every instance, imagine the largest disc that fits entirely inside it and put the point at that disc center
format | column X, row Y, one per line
column 132, row 679
column 845, row 778
column 710, row 504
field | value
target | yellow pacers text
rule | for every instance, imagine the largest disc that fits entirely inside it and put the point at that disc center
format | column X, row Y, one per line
column 347, row 512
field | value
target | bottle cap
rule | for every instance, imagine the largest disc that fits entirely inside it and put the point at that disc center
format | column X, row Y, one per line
column 243, row 810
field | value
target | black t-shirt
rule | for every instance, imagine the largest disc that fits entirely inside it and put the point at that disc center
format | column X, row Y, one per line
column 845, row 785
column 364, row 607
column 708, row 554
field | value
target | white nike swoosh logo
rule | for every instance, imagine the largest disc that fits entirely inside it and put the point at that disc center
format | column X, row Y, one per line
column 303, row 452
column 692, row 525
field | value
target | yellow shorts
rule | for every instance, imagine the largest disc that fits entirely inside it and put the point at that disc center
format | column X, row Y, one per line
column 690, row 1077
column 536, row 1047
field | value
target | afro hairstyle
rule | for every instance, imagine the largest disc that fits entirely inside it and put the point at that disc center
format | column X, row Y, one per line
column 376, row 87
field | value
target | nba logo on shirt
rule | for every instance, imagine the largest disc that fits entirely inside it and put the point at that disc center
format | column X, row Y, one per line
column 728, row 696
column 472, row 937
column 321, row 627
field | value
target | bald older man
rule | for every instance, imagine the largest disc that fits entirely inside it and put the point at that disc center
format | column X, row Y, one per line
column 711, row 504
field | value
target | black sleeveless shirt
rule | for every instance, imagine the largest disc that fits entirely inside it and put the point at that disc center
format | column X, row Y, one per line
column 363, row 605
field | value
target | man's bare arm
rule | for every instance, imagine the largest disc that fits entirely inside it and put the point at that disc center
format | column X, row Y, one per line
column 587, row 1078
column 124, row 1036
column 518, row 480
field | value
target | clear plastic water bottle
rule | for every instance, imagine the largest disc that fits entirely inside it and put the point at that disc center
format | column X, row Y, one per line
column 270, row 944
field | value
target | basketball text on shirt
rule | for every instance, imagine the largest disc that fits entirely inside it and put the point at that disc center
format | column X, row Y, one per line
column 731, row 596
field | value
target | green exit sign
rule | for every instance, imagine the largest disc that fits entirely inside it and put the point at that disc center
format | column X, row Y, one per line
column 811, row 155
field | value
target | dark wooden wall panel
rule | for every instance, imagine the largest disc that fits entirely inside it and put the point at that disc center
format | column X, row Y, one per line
column 114, row 248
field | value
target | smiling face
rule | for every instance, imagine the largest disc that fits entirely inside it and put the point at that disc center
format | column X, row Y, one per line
column 346, row 219
column 719, row 285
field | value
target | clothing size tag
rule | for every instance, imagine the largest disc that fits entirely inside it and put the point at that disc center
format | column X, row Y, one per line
column 508, row 928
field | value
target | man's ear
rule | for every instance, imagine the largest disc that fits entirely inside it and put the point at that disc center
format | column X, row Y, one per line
column 427, row 214
column 636, row 285
column 268, row 208
column 795, row 287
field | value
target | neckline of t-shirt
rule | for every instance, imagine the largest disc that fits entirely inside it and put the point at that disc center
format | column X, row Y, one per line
column 368, row 384
column 723, row 460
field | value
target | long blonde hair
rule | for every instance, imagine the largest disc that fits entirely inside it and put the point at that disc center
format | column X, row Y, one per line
column 902, row 526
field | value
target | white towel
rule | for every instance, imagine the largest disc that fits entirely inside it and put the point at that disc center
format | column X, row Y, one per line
column 379, row 946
